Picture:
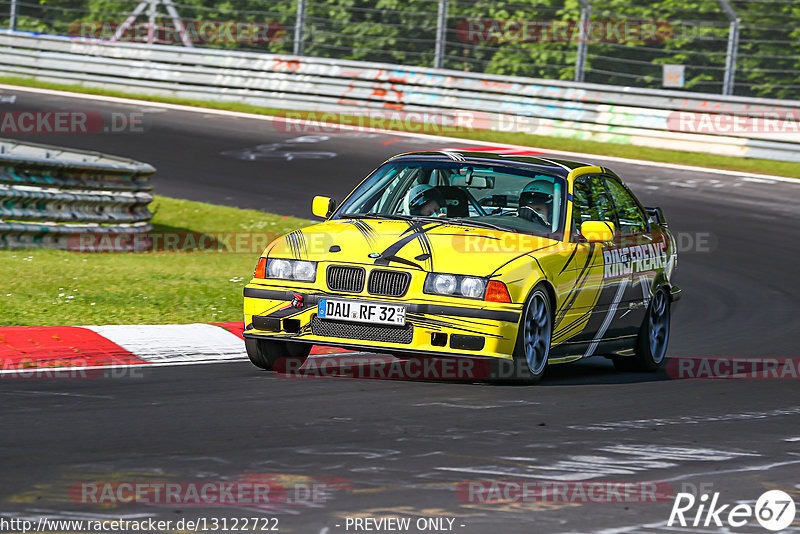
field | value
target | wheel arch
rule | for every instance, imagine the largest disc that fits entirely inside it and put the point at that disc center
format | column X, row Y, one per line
column 551, row 293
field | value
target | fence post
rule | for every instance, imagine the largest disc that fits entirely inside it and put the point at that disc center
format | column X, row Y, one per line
column 12, row 18
column 733, row 47
column 583, row 38
column 299, row 26
column 441, row 35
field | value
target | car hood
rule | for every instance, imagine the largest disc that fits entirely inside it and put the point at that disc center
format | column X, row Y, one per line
column 427, row 245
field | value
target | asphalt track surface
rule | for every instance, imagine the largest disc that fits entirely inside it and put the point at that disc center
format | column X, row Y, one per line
column 403, row 447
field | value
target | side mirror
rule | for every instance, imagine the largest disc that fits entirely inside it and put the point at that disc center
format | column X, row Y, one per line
column 597, row 231
column 655, row 215
column 323, row 206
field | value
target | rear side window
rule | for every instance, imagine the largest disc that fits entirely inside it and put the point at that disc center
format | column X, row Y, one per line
column 590, row 202
column 632, row 219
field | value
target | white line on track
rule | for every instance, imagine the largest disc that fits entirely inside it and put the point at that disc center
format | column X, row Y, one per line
column 766, row 179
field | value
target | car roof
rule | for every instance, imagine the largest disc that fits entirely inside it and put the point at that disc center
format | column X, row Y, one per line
column 519, row 158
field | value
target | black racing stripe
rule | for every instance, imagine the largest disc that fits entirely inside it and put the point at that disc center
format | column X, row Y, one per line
column 521, row 255
column 294, row 249
column 445, row 352
column 273, row 308
column 462, row 235
column 575, row 323
column 301, row 237
column 571, row 257
column 412, row 233
column 286, row 313
column 366, row 231
column 279, row 294
column 414, row 226
column 457, row 311
column 582, row 277
column 293, row 245
column 427, row 249
column 448, row 324
column 573, row 293
column 599, row 314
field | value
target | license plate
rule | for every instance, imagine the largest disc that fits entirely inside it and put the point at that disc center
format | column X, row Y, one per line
column 362, row 312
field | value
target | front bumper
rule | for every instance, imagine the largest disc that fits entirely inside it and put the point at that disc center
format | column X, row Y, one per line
column 483, row 329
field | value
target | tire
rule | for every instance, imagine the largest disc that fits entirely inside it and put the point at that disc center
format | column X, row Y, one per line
column 264, row 353
column 533, row 340
column 651, row 343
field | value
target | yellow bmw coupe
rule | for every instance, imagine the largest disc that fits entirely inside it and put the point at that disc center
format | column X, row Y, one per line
column 521, row 260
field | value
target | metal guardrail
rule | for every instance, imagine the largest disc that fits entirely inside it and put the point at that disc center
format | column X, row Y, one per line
column 640, row 117
column 56, row 198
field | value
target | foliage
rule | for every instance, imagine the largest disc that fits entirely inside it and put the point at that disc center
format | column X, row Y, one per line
column 693, row 33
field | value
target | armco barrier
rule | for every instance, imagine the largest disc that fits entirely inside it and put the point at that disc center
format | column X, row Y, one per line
column 50, row 196
column 641, row 117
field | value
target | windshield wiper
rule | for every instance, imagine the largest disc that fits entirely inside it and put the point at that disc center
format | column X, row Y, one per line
column 482, row 224
column 382, row 216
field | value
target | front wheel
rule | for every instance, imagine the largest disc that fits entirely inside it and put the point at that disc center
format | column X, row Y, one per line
column 533, row 339
column 651, row 344
column 264, row 353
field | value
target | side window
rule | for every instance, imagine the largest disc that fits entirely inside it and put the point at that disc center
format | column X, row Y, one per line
column 590, row 202
column 631, row 218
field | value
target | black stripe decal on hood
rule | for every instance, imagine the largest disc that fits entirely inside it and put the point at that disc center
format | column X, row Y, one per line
column 366, row 231
column 414, row 232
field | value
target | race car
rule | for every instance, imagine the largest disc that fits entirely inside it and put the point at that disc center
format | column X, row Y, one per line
column 522, row 260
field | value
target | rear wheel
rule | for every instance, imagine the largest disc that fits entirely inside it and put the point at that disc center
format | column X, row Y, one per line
column 533, row 340
column 651, row 344
column 263, row 353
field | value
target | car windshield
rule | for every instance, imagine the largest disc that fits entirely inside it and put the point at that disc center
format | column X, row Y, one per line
column 491, row 196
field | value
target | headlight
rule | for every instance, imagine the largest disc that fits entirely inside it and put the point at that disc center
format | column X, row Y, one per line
column 444, row 284
column 473, row 287
column 452, row 284
column 303, row 271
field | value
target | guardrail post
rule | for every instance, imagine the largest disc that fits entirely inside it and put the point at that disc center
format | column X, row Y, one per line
column 441, row 35
column 152, row 13
column 583, row 40
column 299, row 25
column 12, row 16
column 733, row 47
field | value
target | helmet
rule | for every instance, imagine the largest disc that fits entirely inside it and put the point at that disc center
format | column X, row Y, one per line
column 418, row 196
column 537, row 192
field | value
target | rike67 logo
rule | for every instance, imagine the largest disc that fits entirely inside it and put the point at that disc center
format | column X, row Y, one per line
column 774, row 510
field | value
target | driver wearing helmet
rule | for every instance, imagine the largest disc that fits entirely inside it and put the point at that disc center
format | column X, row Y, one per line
column 424, row 200
column 536, row 202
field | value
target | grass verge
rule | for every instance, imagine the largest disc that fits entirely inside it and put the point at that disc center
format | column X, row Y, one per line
column 762, row 166
column 56, row 287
